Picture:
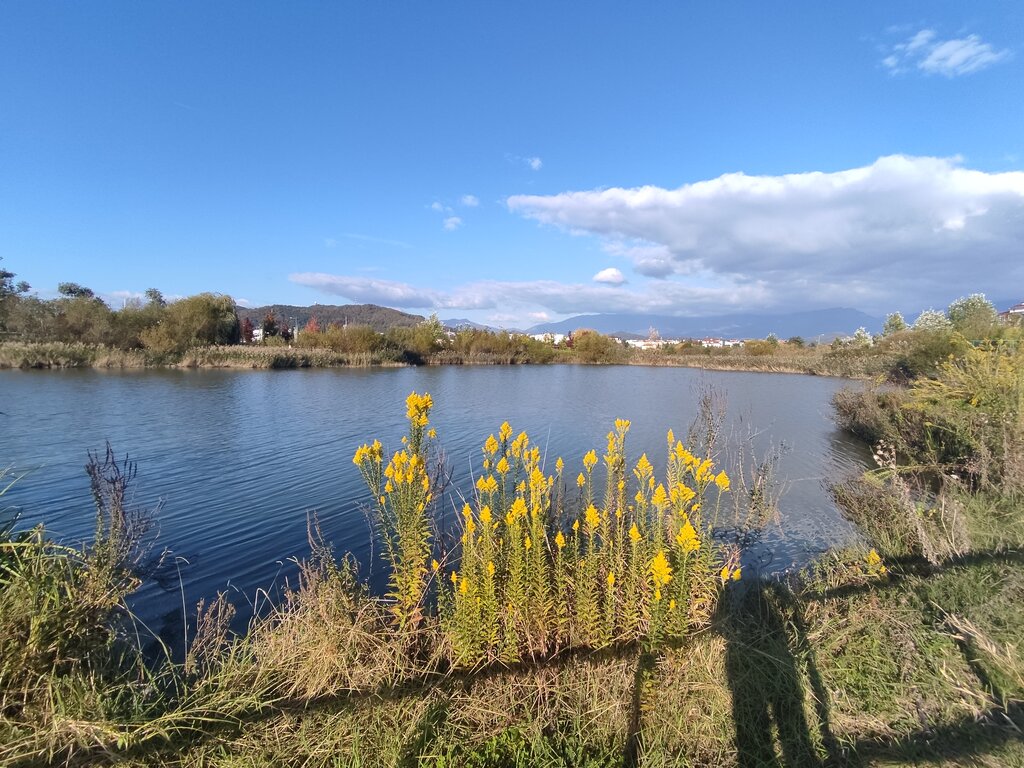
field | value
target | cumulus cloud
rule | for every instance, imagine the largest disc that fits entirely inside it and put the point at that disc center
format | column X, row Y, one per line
column 470, row 201
column 535, row 163
column 902, row 226
column 926, row 52
column 527, row 296
column 611, row 276
column 452, row 223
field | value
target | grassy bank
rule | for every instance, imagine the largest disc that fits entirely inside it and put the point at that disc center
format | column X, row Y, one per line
column 516, row 647
column 885, row 360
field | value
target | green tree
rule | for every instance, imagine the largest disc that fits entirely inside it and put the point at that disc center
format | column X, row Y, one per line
column 10, row 293
column 201, row 320
column 894, row 323
column 75, row 291
column 973, row 316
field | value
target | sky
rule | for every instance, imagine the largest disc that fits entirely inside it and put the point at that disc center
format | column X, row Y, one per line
column 514, row 163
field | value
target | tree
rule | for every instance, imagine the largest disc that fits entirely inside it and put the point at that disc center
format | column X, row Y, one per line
column 153, row 296
column 247, row 331
column 894, row 323
column 10, row 292
column 974, row 316
column 200, row 320
column 932, row 320
column 75, row 291
column 270, row 326
column 862, row 338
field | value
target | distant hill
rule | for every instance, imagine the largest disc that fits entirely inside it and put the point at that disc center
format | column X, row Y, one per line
column 378, row 318
column 811, row 324
column 461, row 323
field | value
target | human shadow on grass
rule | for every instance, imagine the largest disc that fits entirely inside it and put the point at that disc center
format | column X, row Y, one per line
column 766, row 683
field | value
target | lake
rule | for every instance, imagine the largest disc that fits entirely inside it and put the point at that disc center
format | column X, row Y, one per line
column 237, row 459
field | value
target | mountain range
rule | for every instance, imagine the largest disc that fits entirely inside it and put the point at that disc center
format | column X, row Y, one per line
column 825, row 324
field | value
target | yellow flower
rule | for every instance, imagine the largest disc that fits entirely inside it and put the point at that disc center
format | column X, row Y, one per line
column 434, row 565
column 464, row 585
column 580, row 480
column 634, row 533
column 660, row 498
column 722, row 481
column 736, row 574
column 505, row 432
column 470, row 526
column 661, row 571
column 671, row 437
column 611, row 579
column 502, row 466
column 592, row 518
column 490, row 567
column 576, row 525
column 672, row 604
column 485, row 515
column 724, row 574
column 657, row 594
column 559, row 540
column 687, row 538
column 590, row 460
column 559, row 465
column 527, row 543
column 432, row 433
column 643, row 467
column 491, row 445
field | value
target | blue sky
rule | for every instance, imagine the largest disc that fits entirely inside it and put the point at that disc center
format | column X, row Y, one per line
column 517, row 162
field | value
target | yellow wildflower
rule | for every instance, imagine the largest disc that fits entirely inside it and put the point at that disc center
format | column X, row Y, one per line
column 490, row 567
column 505, row 432
column 559, row 465
column 576, row 525
column 491, row 445
column 672, row 604
column 580, row 480
column 434, row 565
column 590, row 460
column 661, row 571
column 592, row 517
column 634, row 533
column 722, row 481
column 464, row 585
column 724, row 574
column 527, row 543
column 687, row 538
column 502, row 466
column 736, row 574
column 559, row 540
column 485, row 515
column 660, row 498
column 455, row 577
column 611, row 579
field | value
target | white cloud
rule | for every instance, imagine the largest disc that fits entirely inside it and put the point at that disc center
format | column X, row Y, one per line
column 868, row 236
column 535, row 163
column 439, row 207
column 924, row 51
column 452, row 223
column 470, row 201
column 611, row 276
column 330, row 242
column 548, row 296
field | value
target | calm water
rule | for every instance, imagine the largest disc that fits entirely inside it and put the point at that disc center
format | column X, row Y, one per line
column 239, row 458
